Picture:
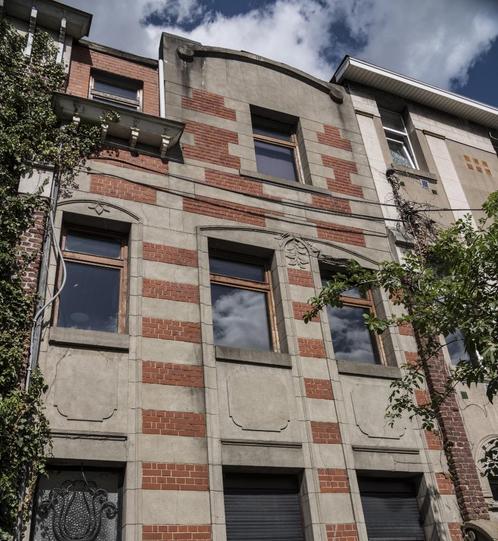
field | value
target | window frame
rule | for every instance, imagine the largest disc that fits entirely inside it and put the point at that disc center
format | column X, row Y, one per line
column 359, row 302
column 401, row 137
column 292, row 144
column 251, row 285
column 98, row 261
column 113, row 99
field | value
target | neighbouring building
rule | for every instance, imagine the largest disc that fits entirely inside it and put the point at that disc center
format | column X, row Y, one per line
column 187, row 398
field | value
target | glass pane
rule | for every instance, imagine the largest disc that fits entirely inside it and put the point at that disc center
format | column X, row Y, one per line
column 351, row 339
column 90, row 298
column 392, row 120
column 240, row 318
column 399, row 153
column 353, row 292
column 115, row 89
column 272, row 128
column 275, row 160
column 94, row 245
column 237, row 269
column 74, row 505
column 456, row 347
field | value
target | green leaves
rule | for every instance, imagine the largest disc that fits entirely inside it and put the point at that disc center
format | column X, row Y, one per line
column 30, row 136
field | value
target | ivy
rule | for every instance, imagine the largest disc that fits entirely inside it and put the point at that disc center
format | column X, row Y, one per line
column 31, row 137
column 448, row 283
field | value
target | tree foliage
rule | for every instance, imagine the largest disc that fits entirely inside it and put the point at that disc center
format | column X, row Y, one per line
column 445, row 285
column 31, row 137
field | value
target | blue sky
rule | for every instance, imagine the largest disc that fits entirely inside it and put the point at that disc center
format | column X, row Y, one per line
column 449, row 43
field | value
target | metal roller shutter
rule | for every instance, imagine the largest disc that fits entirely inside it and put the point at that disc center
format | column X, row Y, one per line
column 391, row 510
column 262, row 507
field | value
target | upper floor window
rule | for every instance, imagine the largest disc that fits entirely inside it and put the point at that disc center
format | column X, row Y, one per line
column 242, row 302
column 94, row 295
column 275, row 146
column 351, row 338
column 397, row 139
column 456, row 347
column 116, row 90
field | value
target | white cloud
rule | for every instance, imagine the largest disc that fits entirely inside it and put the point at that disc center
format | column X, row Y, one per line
column 435, row 41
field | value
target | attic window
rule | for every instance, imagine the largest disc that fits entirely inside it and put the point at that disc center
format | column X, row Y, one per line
column 397, row 138
column 116, row 90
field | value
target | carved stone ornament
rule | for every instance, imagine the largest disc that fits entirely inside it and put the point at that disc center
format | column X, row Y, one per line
column 185, row 53
column 99, row 207
column 297, row 251
column 75, row 511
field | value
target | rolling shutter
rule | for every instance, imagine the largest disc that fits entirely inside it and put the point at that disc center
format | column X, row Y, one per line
column 391, row 510
column 262, row 507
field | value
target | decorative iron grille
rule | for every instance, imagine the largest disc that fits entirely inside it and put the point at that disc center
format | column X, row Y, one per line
column 70, row 507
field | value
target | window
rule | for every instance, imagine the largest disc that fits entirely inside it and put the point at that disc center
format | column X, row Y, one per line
column 351, row 338
column 77, row 504
column 275, row 145
column 456, row 347
column 263, row 507
column 493, row 485
column 390, row 508
column 242, row 302
column 94, row 295
column 397, row 139
column 115, row 90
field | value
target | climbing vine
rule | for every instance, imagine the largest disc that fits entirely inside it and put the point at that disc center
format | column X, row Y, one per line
column 31, row 138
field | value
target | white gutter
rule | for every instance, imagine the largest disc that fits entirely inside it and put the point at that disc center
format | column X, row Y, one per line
column 162, row 103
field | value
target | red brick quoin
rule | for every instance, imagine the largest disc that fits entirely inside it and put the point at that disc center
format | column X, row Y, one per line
column 182, row 375
column 163, row 476
column 176, row 532
column 331, row 136
column 311, row 347
column 298, row 277
column 342, row 182
column 342, row 532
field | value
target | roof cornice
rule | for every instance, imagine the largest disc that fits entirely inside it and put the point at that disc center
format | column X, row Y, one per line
column 370, row 75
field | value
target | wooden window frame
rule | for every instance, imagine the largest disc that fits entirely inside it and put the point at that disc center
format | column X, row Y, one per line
column 252, row 285
column 362, row 302
column 120, row 263
column 292, row 144
column 113, row 99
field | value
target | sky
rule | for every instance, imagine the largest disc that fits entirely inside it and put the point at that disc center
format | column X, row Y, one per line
column 451, row 44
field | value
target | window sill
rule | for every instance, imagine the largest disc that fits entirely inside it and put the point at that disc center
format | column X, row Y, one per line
column 91, row 339
column 368, row 370
column 283, row 182
column 251, row 356
column 414, row 173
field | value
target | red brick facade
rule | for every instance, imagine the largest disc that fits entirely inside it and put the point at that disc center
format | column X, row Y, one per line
column 84, row 59
column 318, row 388
column 183, row 375
column 122, row 189
column 331, row 136
column 169, row 329
column 163, row 476
column 169, row 254
column 172, row 291
column 298, row 277
column 342, row 532
column 176, row 532
column 339, row 233
column 333, row 480
column 301, row 308
column 311, row 347
column 208, row 103
column 342, row 183
column 325, row 432
column 174, row 423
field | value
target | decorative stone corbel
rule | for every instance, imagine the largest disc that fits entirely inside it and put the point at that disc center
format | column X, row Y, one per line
column 31, row 31
column 165, row 141
column 76, row 120
column 103, row 131
column 62, row 39
column 134, row 133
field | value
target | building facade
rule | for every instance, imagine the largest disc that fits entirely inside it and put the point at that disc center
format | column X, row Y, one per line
column 187, row 398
